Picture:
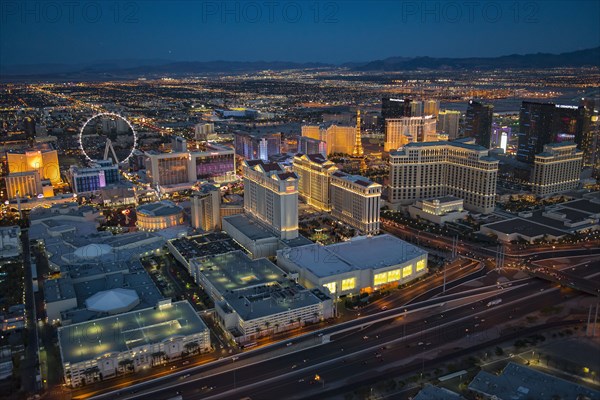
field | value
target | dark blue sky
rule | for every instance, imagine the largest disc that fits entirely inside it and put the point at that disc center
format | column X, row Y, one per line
column 33, row 32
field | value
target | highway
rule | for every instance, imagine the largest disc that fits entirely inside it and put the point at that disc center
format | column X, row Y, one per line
column 171, row 378
column 277, row 373
column 531, row 253
column 457, row 272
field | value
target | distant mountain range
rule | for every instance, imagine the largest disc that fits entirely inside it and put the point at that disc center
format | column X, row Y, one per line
column 131, row 68
column 580, row 58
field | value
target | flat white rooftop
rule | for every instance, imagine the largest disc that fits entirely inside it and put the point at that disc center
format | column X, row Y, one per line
column 364, row 253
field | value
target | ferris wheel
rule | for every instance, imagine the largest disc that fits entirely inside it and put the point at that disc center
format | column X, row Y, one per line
column 107, row 135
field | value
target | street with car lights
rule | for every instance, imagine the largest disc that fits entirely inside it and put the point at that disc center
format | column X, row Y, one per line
column 368, row 347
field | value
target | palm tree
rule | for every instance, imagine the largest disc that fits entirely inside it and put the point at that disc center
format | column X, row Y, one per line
column 192, row 347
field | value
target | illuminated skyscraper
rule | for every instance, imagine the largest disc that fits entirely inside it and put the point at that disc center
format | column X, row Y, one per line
column 401, row 131
column 478, row 123
column 212, row 162
column 314, row 174
column 431, row 107
column 43, row 160
column 339, row 139
column 557, row 169
column 544, row 123
column 271, row 196
column 356, row 201
column 395, row 108
column 203, row 130
column 448, row 123
column 206, row 208
column 253, row 147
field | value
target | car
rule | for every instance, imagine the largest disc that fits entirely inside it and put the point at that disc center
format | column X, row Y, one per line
column 294, row 366
column 288, row 344
column 420, row 344
column 365, row 337
column 320, row 334
column 300, row 380
column 384, row 308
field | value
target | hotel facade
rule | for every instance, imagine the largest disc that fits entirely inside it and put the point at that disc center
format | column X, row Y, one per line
column 557, row 169
column 356, row 201
column 314, row 173
column 434, row 169
column 271, row 196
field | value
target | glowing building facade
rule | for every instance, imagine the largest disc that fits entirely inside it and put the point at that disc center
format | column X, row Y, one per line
column 212, row 162
column 271, row 196
column 161, row 215
column 401, row 131
column 434, row 169
column 557, row 169
column 355, row 266
column 206, row 208
column 23, row 184
column 356, row 201
column 314, row 179
column 45, row 161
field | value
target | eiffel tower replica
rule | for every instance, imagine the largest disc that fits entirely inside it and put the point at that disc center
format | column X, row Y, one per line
column 358, row 152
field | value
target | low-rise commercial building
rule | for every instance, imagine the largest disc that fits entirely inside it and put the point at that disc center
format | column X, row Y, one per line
column 521, row 382
column 187, row 248
column 355, row 266
column 439, row 210
column 10, row 241
column 255, row 298
column 160, row 215
column 90, row 179
column 119, row 344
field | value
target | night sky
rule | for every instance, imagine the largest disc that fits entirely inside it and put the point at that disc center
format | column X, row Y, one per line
column 37, row 32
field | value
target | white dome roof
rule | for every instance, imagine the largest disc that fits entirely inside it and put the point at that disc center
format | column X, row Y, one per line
column 93, row 251
column 113, row 301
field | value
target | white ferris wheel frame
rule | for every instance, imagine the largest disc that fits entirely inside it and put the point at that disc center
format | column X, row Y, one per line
column 80, row 138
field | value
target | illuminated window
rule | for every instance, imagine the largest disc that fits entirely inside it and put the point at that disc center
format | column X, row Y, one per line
column 420, row 265
column 380, row 279
column 394, row 275
column 348, row 284
column 406, row 271
column 331, row 286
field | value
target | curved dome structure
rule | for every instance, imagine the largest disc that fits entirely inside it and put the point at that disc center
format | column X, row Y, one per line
column 113, row 301
column 160, row 215
column 92, row 251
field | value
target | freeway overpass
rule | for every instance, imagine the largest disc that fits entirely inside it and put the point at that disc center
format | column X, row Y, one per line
column 567, row 279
